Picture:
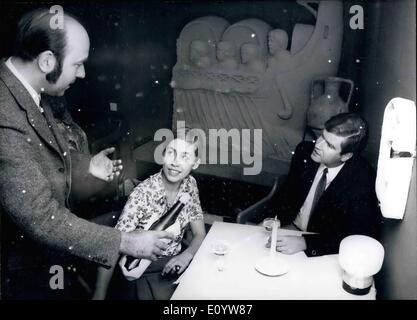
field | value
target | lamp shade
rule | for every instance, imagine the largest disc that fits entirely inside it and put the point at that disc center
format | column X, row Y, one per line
column 360, row 257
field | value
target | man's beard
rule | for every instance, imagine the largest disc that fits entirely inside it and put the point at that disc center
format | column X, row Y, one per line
column 53, row 76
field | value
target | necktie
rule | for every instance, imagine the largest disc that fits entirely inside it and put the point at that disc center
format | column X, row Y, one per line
column 321, row 187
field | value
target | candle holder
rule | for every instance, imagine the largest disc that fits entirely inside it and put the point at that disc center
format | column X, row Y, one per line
column 274, row 264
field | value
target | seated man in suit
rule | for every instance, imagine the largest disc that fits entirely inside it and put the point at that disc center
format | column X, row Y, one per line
column 330, row 190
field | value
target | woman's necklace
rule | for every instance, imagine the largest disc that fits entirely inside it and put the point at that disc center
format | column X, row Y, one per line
column 171, row 191
column 170, row 197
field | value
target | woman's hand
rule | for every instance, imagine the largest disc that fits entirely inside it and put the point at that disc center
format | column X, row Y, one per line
column 178, row 263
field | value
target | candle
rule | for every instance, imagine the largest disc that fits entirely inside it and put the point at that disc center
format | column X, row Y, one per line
column 274, row 237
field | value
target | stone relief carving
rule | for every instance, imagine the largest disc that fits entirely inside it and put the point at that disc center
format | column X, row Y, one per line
column 243, row 75
column 227, row 56
column 251, row 59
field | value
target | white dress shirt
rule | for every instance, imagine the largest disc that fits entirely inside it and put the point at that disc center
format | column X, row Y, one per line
column 301, row 221
column 33, row 93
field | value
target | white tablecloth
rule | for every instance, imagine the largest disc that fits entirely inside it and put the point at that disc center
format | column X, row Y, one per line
column 308, row 278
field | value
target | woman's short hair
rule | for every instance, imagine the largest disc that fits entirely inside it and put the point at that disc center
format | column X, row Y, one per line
column 192, row 136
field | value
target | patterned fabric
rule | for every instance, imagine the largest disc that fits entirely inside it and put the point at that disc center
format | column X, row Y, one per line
column 148, row 202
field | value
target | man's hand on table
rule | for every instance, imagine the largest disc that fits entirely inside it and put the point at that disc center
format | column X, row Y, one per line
column 289, row 244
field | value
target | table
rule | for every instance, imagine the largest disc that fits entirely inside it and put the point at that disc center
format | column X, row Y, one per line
column 318, row 278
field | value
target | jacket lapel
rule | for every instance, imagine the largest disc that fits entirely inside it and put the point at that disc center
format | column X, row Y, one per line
column 62, row 144
column 36, row 119
column 335, row 189
column 339, row 183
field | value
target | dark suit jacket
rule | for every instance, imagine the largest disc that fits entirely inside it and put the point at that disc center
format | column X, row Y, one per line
column 36, row 180
column 348, row 206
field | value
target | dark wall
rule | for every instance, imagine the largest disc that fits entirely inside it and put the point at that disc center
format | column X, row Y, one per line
column 390, row 71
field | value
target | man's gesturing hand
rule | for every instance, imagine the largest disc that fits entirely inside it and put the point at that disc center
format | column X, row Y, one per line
column 103, row 168
column 144, row 244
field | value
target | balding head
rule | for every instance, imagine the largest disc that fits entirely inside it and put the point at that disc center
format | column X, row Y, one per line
column 75, row 33
column 35, row 34
column 59, row 53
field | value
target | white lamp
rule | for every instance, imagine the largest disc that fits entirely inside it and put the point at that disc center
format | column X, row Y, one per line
column 361, row 258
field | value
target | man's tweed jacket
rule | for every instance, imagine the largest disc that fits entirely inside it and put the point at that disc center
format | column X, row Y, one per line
column 36, row 174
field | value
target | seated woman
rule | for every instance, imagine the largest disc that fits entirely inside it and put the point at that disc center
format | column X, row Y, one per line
column 150, row 201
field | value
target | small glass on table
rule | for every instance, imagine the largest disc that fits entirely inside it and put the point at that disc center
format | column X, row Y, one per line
column 268, row 224
column 220, row 248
